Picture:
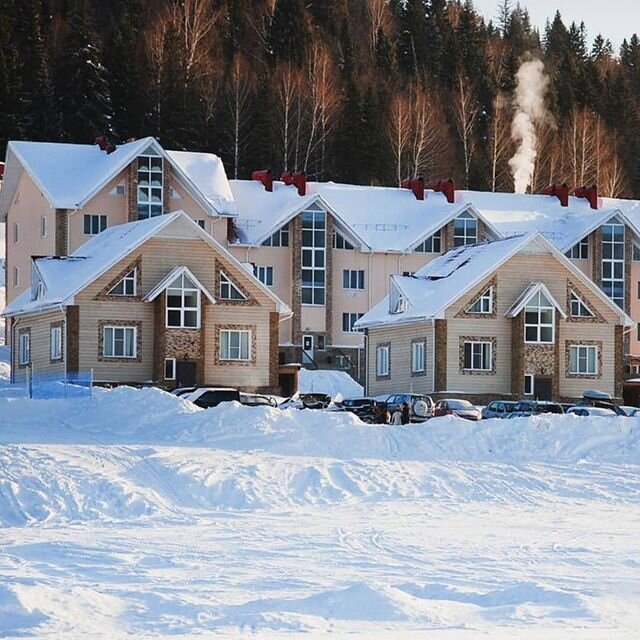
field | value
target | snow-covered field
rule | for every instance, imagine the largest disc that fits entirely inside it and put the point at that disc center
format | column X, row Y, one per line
column 136, row 514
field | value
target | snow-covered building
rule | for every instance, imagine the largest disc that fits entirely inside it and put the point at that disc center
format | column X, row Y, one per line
column 506, row 318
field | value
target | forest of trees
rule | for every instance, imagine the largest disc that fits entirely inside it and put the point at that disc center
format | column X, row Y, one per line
column 362, row 91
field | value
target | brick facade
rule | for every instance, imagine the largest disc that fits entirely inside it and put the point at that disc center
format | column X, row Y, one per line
column 329, row 280
column 517, row 356
column 132, row 192
column 595, row 253
column 295, row 240
column 440, row 348
column 619, row 357
column 72, row 340
column 61, row 232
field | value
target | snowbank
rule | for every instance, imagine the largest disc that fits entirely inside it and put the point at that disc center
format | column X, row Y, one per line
column 5, row 367
column 333, row 383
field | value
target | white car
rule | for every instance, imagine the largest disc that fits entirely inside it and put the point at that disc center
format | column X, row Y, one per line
column 206, row 397
column 585, row 412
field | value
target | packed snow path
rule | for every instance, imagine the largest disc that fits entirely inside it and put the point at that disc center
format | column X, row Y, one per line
column 135, row 513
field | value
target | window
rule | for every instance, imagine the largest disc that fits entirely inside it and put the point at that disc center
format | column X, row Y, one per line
column 478, row 356
column 264, row 274
column 150, row 183
column 56, row 343
column 25, row 349
column 119, row 189
column 583, row 360
column 638, row 331
column 613, row 262
column 16, row 276
column 170, row 369
column 16, row 233
column 417, row 357
column 119, row 342
column 539, row 320
column 353, row 279
column 340, row 242
column 397, row 302
column 279, row 239
column 465, row 230
column 408, row 274
column 313, row 257
column 484, row 304
column 43, row 226
column 528, row 384
column 183, row 304
column 578, row 308
column 126, row 286
column 636, row 253
column 431, row 245
column 94, row 224
column 235, row 345
column 228, row 290
column 348, row 320
column 579, row 251
column 382, row 360
column 200, row 222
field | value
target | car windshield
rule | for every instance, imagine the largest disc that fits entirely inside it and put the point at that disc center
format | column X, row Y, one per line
column 523, row 406
column 549, row 408
column 460, row 404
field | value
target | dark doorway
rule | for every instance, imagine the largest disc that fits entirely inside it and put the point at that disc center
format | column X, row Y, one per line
column 542, row 388
column 185, row 373
column 286, row 384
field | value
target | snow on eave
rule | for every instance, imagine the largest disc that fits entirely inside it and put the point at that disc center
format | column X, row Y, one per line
column 607, row 214
column 527, row 294
column 170, row 277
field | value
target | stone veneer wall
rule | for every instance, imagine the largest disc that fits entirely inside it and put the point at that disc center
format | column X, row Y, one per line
column 295, row 240
column 619, row 357
column 595, row 253
column 166, row 186
column 72, row 339
column 440, row 347
column 328, row 274
column 62, row 232
column 132, row 192
column 517, row 356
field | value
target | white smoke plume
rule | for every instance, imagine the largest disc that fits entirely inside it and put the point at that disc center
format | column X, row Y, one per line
column 530, row 110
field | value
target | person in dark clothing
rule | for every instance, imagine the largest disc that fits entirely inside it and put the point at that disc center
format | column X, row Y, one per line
column 406, row 413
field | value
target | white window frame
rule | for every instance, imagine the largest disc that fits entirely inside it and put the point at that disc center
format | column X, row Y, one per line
column 613, row 281
column 433, row 244
column 55, row 341
column 579, row 309
column 538, row 308
column 114, row 339
column 129, row 280
column 464, row 236
column 529, row 378
column 236, row 354
column 279, row 239
column 43, row 227
column 150, row 185
column 24, row 354
column 484, row 303
column 353, row 279
column 264, row 273
column 581, row 357
column 97, row 223
column 482, row 349
column 227, row 286
column 186, row 287
column 314, row 258
column 348, row 320
column 340, row 242
column 172, row 362
column 418, row 356
column 383, row 354
column 579, row 251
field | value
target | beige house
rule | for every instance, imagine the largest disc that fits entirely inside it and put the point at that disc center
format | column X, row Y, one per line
column 158, row 300
column 508, row 318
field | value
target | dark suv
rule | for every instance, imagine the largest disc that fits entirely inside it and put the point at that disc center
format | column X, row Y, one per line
column 421, row 406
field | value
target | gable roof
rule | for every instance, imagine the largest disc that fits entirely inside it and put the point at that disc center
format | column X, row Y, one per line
column 64, row 277
column 168, row 280
column 527, row 294
column 441, row 282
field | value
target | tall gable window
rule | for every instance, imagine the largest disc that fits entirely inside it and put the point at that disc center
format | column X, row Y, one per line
column 126, row 286
column 279, row 239
column 465, row 230
column 431, row 245
column 228, row 290
column 314, row 245
column 484, row 304
column 578, row 308
column 150, row 184
column 579, row 251
column 539, row 317
column 183, row 304
column 613, row 261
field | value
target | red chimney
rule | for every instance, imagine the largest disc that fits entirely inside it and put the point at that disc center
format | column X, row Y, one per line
column 104, row 144
column 561, row 191
column 1, row 170
column 297, row 179
column 447, row 187
column 265, row 176
column 590, row 193
column 416, row 184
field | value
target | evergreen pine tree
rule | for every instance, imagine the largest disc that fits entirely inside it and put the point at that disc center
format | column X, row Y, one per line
column 289, row 35
column 10, row 88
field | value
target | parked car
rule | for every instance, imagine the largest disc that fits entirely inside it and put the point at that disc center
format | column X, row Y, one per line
column 181, row 391
column 630, row 411
column 602, row 399
column 365, row 408
column 586, row 412
column 257, row 400
column 421, row 406
column 534, row 407
column 455, row 407
column 207, row 397
column 498, row 409
column 307, row 401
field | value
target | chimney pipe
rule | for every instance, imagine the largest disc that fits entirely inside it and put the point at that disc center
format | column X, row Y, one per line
column 265, row 176
column 446, row 187
column 104, row 144
column 297, row 179
column 561, row 191
column 416, row 184
column 590, row 193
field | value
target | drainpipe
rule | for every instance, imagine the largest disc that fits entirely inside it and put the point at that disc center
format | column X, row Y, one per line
column 433, row 357
column 64, row 345
column 15, row 349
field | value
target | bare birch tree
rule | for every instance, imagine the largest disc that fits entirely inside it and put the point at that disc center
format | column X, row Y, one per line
column 499, row 141
column 287, row 79
column 238, row 99
column 465, row 109
column 379, row 17
column 399, row 131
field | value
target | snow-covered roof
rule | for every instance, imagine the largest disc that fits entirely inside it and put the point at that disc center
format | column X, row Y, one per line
column 527, row 294
column 437, row 285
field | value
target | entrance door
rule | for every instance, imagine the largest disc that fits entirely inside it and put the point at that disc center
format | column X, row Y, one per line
column 307, row 349
column 185, row 373
column 542, row 388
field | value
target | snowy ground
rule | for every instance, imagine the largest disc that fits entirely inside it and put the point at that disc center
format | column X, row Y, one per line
column 134, row 513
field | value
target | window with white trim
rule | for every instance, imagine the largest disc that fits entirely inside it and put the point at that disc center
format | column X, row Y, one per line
column 170, row 369
column 313, row 257
column 201, row 223
column 43, row 226
column 583, row 360
column 417, row 357
column 478, row 356
column 228, row 290
column 578, row 308
column 119, row 342
column 279, row 239
column 264, row 274
column 150, row 184
column 397, row 301
column 340, row 242
column 528, row 384
column 539, row 316
column 24, row 349
column 183, row 304
column 94, row 223
column 465, row 230
column 56, row 343
column 235, row 345
column 348, row 320
column 126, row 286
column 432, row 244
column 353, row 279
column 580, row 250
column 484, row 304
column 636, row 253
column 382, row 360
column 613, row 261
